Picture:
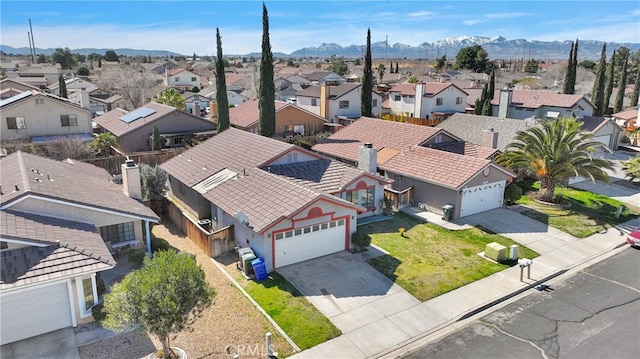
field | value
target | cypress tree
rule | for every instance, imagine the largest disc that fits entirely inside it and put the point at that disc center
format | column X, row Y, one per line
column 391, row 67
column 636, row 89
column 608, row 90
column 156, row 142
column 366, row 96
column 62, row 87
column 622, row 85
column 574, row 68
column 221, row 88
column 266, row 92
column 597, row 94
column 492, row 85
column 397, row 70
column 566, row 88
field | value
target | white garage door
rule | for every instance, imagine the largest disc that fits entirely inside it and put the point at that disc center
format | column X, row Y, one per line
column 309, row 242
column 604, row 139
column 481, row 198
column 35, row 311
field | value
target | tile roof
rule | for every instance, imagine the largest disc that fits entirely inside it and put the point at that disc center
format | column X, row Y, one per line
column 111, row 120
column 68, row 181
column 70, row 248
column 539, row 98
column 628, row 114
column 233, row 78
column 469, row 128
column 440, row 167
column 248, row 113
column 431, row 88
column 465, row 148
column 594, row 123
column 326, row 175
column 382, row 134
column 316, row 75
column 233, row 148
column 335, row 92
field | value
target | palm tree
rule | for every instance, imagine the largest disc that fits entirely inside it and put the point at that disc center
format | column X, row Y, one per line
column 631, row 168
column 103, row 143
column 554, row 153
column 381, row 70
column 171, row 97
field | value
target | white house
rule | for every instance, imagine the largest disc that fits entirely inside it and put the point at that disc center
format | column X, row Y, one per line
column 436, row 99
column 340, row 103
column 182, row 79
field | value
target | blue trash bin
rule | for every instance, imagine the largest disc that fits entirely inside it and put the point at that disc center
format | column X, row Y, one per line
column 259, row 269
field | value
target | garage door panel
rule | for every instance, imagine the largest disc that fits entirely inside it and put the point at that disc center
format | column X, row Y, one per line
column 482, row 198
column 310, row 245
column 35, row 311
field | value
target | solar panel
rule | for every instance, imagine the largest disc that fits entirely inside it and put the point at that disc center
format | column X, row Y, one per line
column 17, row 97
column 136, row 114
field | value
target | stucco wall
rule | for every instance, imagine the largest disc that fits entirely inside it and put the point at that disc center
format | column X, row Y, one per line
column 192, row 200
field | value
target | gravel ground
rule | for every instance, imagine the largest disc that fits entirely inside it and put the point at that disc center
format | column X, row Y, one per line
column 231, row 322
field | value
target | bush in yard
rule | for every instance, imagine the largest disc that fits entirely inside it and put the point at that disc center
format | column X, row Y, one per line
column 361, row 240
column 136, row 256
column 159, row 244
column 512, row 193
column 98, row 312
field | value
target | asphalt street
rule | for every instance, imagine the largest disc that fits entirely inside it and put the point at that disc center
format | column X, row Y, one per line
column 592, row 314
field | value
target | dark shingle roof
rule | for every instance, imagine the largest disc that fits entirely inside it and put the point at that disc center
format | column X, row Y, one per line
column 327, row 176
column 465, row 148
column 69, row 181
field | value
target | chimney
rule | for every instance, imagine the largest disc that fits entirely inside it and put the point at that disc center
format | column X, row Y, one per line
column 84, row 99
column 195, row 110
column 325, row 92
column 505, row 102
column 489, row 138
column 417, row 105
column 368, row 158
column 131, row 180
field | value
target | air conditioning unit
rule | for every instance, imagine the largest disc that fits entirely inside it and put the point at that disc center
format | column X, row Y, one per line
column 245, row 256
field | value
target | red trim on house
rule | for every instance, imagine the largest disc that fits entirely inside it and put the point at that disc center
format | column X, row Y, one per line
column 294, row 148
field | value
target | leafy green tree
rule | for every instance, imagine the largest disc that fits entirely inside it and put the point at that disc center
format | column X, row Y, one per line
column 472, row 58
column 111, row 55
column 597, row 94
column 412, row 80
column 64, row 57
column 587, row 64
column 154, row 181
column 221, row 88
column 441, row 63
column 631, row 168
column 266, row 92
column 62, row 87
column 103, row 143
column 338, row 65
column 381, row 70
column 622, row 86
column 636, row 89
column 569, row 80
column 357, row 62
column 512, row 193
column 531, row 66
column 42, row 59
column 82, row 71
column 290, row 63
column 366, row 96
column 608, row 89
column 553, row 153
column 156, row 141
column 164, row 297
column 171, row 97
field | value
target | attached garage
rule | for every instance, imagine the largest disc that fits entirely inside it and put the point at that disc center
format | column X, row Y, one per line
column 36, row 311
column 482, row 198
column 301, row 244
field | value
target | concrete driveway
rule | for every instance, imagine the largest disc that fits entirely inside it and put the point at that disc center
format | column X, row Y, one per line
column 57, row 344
column 531, row 233
column 623, row 194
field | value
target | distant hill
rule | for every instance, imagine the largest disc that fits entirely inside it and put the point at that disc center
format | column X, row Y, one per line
column 497, row 48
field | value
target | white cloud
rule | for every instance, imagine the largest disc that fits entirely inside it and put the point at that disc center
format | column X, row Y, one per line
column 504, row 15
column 420, row 14
column 472, row 22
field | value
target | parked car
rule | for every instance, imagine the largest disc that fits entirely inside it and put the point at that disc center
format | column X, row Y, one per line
column 634, row 237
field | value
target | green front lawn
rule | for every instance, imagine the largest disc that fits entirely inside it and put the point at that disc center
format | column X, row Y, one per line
column 304, row 324
column 430, row 260
column 589, row 212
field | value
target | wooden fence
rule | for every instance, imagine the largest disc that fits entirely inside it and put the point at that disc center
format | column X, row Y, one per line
column 416, row 121
column 113, row 165
column 212, row 243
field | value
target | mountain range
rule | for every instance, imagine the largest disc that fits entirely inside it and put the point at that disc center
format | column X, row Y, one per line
column 497, row 48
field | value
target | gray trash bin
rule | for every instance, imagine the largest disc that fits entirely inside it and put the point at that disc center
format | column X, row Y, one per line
column 447, row 210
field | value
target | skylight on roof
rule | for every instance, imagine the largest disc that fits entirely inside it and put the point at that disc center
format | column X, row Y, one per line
column 137, row 114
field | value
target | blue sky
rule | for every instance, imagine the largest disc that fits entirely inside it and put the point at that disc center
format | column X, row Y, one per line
column 189, row 26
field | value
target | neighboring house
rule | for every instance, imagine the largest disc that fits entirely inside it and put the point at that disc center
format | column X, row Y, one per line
column 76, row 83
column 41, row 117
column 422, row 172
column 604, row 130
column 182, row 79
column 197, row 100
column 134, row 129
column 10, row 87
column 287, row 203
column 337, row 104
column 628, row 119
column 60, row 222
column 89, row 96
column 322, row 78
column 541, row 104
column 291, row 121
column 38, row 75
column 437, row 100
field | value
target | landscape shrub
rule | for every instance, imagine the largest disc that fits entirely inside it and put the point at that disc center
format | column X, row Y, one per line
column 98, row 313
column 159, row 244
column 136, row 256
column 361, row 240
column 512, row 193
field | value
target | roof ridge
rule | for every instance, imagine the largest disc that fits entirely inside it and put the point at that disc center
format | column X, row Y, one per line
column 84, row 252
column 23, row 172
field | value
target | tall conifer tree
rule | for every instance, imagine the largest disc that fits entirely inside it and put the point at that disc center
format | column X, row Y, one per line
column 62, row 87
column 221, row 88
column 597, row 94
column 608, row 89
column 566, row 88
column 366, row 96
column 574, row 68
column 622, row 85
column 266, row 92
column 636, row 89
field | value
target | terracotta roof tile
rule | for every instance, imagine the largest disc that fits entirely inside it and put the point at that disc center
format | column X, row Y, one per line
column 248, row 113
column 539, row 98
column 328, row 176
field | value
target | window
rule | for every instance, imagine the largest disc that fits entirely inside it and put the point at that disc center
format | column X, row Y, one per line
column 341, row 222
column 439, row 101
column 288, row 234
column 4, row 245
column 279, row 236
column 332, row 224
column 307, row 230
column 344, row 104
column 298, row 232
column 374, row 102
column 68, row 120
column 39, row 101
column 16, row 123
column 176, row 79
column 178, row 141
column 316, row 228
column 397, row 98
column 292, row 157
column 193, row 79
column 324, row 226
column 367, row 197
column 458, row 100
column 314, row 102
column 118, row 233
column 87, row 289
column 299, row 129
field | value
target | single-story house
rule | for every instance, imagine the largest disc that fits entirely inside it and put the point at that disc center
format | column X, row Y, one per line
column 287, row 203
column 423, row 170
column 60, row 222
column 541, row 104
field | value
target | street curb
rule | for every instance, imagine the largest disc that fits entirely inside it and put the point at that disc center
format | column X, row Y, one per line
column 273, row 322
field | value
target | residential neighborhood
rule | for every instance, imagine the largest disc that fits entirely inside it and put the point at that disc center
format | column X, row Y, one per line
column 279, row 206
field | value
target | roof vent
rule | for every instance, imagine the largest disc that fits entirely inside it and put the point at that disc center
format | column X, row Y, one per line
column 129, row 163
column 368, row 145
column 17, row 189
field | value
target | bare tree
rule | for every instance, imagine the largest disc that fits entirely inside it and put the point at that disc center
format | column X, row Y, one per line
column 129, row 81
column 73, row 148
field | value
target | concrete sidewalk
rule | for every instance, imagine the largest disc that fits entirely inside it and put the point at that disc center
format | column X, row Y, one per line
column 386, row 335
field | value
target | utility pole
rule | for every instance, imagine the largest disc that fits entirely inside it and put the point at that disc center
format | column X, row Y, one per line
column 33, row 42
column 30, row 47
column 386, row 41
